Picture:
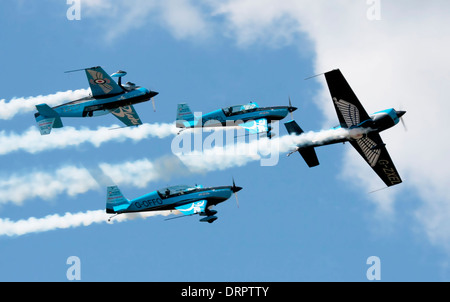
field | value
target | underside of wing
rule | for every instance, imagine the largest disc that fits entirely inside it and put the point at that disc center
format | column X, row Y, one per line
column 373, row 150
column 101, row 83
column 127, row 115
column 348, row 108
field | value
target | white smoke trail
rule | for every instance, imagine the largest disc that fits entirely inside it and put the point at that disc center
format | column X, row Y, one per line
column 72, row 180
column 32, row 141
column 267, row 151
column 68, row 220
column 23, row 105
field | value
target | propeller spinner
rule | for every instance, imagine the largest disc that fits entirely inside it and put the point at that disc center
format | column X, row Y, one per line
column 291, row 108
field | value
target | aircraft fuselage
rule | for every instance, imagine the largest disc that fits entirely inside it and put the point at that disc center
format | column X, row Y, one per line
column 156, row 201
column 219, row 117
column 90, row 106
column 378, row 122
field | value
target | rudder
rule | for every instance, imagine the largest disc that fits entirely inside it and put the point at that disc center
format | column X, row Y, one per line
column 115, row 201
column 185, row 118
column 47, row 118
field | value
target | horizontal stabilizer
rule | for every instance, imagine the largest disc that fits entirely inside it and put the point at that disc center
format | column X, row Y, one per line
column 310, row 156
column 209, row 219
column 308, row 153
column 46, row 111
column 293, row 128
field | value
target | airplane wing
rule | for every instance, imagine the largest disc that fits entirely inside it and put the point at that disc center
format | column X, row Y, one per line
column 256, row 126
column 348, row 108
column 192, row 208
column 373, row 150
column 101, row 83
column 127, row 115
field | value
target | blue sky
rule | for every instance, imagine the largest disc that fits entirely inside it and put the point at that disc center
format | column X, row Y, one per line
column 293, row 223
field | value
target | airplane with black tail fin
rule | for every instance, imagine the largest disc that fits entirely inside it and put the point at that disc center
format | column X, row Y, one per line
column 189, row 200
column 352, row 115
column 107, row 97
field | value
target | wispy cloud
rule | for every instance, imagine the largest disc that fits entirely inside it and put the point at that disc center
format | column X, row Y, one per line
column 71, row 180
column 184, row 19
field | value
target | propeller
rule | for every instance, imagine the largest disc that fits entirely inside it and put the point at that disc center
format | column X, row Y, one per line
column 400, row 116
column 291, row 109
column 235, row 189
column 153, row 103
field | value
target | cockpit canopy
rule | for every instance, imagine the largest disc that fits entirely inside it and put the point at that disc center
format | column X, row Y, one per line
column 239, row 108
column 178, row 189
column 130, row 86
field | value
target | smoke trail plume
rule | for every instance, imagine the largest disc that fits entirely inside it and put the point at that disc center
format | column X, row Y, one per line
column 204, row 158
column 68, row 220
column 32, row 141
column 23, row 105
column 72, row 180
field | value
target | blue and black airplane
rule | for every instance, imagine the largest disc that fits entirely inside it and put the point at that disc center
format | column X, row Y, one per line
column 352, row 115
column 249, row 116
column 189, row 200
column 107, row 97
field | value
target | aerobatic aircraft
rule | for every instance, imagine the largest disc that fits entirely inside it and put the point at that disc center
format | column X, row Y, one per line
column 107, row 97
column 189, row 200
column 352, row 115
column 249, row 116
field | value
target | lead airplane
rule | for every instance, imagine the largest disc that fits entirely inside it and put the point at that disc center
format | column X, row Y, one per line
column 352, row 115
column 249, row 116
column 107, row 97
column 189, row 200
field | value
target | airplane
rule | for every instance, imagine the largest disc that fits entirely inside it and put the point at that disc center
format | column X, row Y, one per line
column 107, row 97
column 249, row 116
column 189, row 200
column 352, row 115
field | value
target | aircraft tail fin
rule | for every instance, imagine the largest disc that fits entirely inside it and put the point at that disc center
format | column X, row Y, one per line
column 185, row 118
column 308, row 153
column 115, row 201
column 47, row 118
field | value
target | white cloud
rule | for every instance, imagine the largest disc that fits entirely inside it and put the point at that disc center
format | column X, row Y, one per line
column 182, row 18
column 70, row 180
column 399, row 61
